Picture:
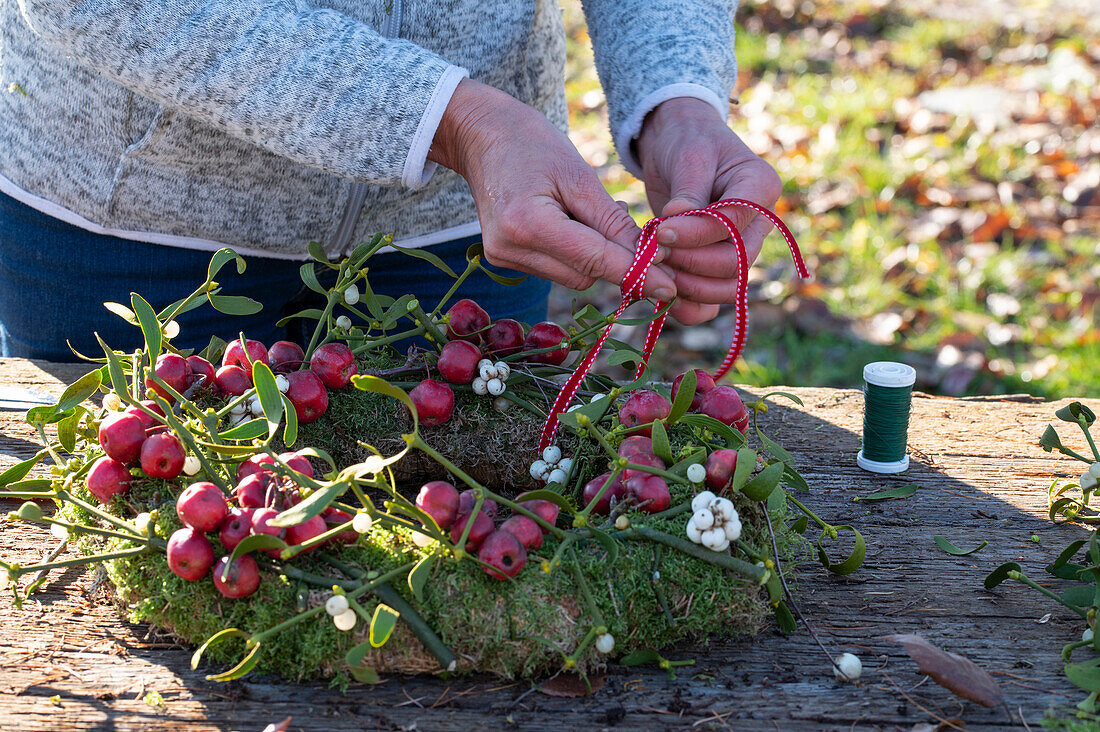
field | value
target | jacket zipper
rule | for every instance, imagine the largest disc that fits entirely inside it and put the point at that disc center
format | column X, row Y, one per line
column 357, row 198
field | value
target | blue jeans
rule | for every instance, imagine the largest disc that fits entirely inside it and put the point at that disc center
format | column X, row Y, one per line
column 55, row 277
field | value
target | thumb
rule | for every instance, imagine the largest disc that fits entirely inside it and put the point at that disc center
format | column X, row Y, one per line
column 690, row 187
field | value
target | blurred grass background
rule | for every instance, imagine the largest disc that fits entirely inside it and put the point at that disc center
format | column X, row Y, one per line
column 941, row 167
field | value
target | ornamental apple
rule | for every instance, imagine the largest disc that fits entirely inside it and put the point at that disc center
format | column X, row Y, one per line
column 704, row 382
column 190, row 554
column 634, row 446
column 725, row 405
column 649, row 491
column 303, row 532
column 237, row 525
column 615, row 491
column 121, row 436
column 239, row 579
column 467, row 499
column 232, row 380
column 439, row 499
column 504, row 338
column 466, row 321
column 525, row 529
column 201, row 368
column 335, row 517
column 642, row 407
column 173, row 370
column 542, row 508
column 434, row 402
column 285, row 356
column 458, row 362
column 298, row 463
column 147, row 421
column 720, row 466
column 308, row 395
column 334, row 364
column 162, row 456
column 480, row 527
column 202, row 506
column 107, row 478
column 260, row 463
column 504, row 553
column 545, row 335
column 235, row 355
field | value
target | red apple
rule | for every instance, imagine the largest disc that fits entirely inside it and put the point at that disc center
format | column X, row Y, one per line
column 303, row 532
column 174, row 371
column 503, row 552
column 334, row 364
column 439, row 499
column 107, row 478
column 481, row 527
column 237, row 525
column 466, row 320
column 235, row 355
column 335, row 517
column 434, row 402
column 636, row 445
column 525, row 529
column 121, row 435
column 545, row 335
column 298, row 463
column 542, row 508
column 703, row 383
column 467, row 499
column 725, row 405
column 650, row 492
column 190, row 554
column 615, row 491
column 239, row 579
column 458, row 362
column 504, row 338
column 259, row 463
column 202, row 506
column 162, row 456
column 285, row 356
column 308, row 395
column 147, row 421
column 642, row 407
column 232, row 380
column 200, row 367
column 720, row 466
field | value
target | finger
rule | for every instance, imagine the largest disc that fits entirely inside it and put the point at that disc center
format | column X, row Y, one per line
column 692, row 313
column 714, row 290
column 713, row 260
column 691, row 185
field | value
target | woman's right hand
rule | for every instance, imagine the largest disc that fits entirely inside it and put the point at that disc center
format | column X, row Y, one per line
column 542, row 208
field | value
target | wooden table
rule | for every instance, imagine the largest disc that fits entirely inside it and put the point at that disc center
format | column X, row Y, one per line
column 67, row 660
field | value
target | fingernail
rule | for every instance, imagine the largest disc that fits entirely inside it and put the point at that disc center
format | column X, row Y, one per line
column 666, row 236
column 664, row 294
column 660, row 255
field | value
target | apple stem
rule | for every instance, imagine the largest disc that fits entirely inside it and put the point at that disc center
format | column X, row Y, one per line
column 719, row 559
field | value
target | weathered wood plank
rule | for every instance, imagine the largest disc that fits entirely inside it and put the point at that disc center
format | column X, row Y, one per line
column 981, row 474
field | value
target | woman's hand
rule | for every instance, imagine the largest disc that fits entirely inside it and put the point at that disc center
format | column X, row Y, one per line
column 690, row 159
column 541, row 206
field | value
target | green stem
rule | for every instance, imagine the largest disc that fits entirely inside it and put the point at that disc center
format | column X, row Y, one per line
column 1053, row 596
column 1088, row 436
column 386, row 340
column 322, row 322
column 82, row 529
column 418, row 626
column 422, row 319
column 471, row 267
column 109, row 518
column 586, row 592
column 77, row 561
column 654, row 580
column 759, row 574
column 807, row 511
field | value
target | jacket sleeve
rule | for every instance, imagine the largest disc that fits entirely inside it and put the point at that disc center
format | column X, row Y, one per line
column 648, row 52
column 308, row 84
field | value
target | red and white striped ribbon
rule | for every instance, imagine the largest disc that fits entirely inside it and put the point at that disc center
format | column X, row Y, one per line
column 634, row 282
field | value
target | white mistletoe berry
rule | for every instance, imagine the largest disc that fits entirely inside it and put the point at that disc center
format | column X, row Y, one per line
column 552, row 454
column 1088, row 481
column 112, row 402
column 732, row 527
column 343, row 322
column 281, row 383
column 565, row 465
column 1094, row 469
column 848, row 667
column 723, row 509
column 501, row 404
column 255, row 406
column 1086, row 635
column 503, row 370
column 191, row 465
column 557, row 475
column 605, row 643
column 60, row 532
column 361, row 522
column 486, row 369
column 704, row 519
column 238, row 409
column 693, row 532
column 702, row 500
column 597, row 398
column 495, row 387
column 336, row 605
column 421, row 540
column 539, row 468
column 574, row 408
column 351, row 295
column 480, row 386
column 696, row 473
column 144, row 522
column 345, row 620
column 171, row 329
column 713, row 538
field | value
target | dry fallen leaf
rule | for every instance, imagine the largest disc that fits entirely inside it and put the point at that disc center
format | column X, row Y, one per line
column 571, row 685
column 953, row 672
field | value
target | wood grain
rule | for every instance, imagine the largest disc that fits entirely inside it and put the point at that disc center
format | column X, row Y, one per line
column 982, row 476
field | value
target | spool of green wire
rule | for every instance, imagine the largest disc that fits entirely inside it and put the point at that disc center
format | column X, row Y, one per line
column 887, row 397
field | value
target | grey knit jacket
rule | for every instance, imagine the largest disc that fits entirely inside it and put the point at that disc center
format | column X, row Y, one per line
column 264, row 124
